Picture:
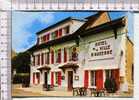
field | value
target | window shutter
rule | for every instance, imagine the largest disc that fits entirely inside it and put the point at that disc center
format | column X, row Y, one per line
column 115, row 75
column 52, row 78
column 86, row 76
column 56, row 32
column 38, row 39
column 60, row 32
column 99, row 79
column 65, row 55
column 59, row 78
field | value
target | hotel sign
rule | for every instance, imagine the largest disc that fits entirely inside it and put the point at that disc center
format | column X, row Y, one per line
column 102, row 49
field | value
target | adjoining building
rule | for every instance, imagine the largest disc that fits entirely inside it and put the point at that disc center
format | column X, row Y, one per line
column 75, row 53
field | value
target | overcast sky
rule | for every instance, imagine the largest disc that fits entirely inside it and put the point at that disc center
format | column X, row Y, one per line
column 26, row 24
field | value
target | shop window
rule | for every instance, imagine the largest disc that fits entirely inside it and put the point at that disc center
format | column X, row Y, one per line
column 108, row 74
column 93, row 78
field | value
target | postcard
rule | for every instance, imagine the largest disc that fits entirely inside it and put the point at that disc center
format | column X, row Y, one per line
column 72, row 54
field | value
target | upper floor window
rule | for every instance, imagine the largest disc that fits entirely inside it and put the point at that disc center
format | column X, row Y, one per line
column 66, row 30
column 38, row 40
column 53, row 35
column 58, row 56
column 47, row 58
column 33, row 60
column 73, row 54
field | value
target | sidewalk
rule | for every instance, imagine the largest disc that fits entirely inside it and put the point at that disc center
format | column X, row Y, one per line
column 31, row 91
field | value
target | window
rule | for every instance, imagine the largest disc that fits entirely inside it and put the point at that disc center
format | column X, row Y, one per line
column 53, row 36
column 33, row 62
column 70, row 54
column 38, row 40
column 108, row 73
column 42, row 58
column 47, row 58
column 73, row 54
column 93, row 78
column 58, row 56
column 56, row 78
column 66, row 30
column 38, row 77
column 65, row 55
column 44, row 38
column 38, row 62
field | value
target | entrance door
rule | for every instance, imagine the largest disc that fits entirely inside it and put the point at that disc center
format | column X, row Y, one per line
column 70, row 80
column 99, row 79
column 45, row 78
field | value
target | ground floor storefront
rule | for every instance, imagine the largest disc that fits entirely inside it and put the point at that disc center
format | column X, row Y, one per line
column 69, row 78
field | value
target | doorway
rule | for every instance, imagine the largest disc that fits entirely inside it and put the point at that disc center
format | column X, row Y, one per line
column 45, row 78
column 70, row 80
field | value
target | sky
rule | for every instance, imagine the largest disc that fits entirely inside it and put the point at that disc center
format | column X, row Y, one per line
column 26, row 24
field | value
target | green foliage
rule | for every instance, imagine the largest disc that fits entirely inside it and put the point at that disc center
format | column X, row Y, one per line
column 21, row 63
column 110, row 85
column 21, row 78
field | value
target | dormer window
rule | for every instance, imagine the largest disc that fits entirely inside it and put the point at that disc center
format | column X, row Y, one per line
column 38, row 40
column 53, row 36
column 66, row 30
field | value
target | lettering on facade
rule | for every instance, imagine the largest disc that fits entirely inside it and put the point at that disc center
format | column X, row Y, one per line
column 101, row 49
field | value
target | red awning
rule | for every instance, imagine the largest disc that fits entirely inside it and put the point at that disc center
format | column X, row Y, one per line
column 69, row 65
column 74, row 66
column 44, row 68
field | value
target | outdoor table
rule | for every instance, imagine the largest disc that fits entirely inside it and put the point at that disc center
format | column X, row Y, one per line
column 80, row 91
column 92, row 90
column 96, row 92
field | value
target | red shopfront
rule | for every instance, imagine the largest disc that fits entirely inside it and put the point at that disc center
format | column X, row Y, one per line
column 97, row 77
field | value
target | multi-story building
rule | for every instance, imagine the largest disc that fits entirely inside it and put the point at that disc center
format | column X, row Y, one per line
column 75, row 53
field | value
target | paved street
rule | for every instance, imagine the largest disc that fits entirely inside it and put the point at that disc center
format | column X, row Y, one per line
column 17, row 91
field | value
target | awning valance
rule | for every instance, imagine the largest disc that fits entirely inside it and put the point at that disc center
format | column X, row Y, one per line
column 44, row 68
column 74, row 66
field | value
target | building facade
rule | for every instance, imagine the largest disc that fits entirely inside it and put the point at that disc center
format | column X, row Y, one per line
column 83, row 53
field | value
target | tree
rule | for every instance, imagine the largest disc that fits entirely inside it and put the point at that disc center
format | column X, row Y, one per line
column 21, row 62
